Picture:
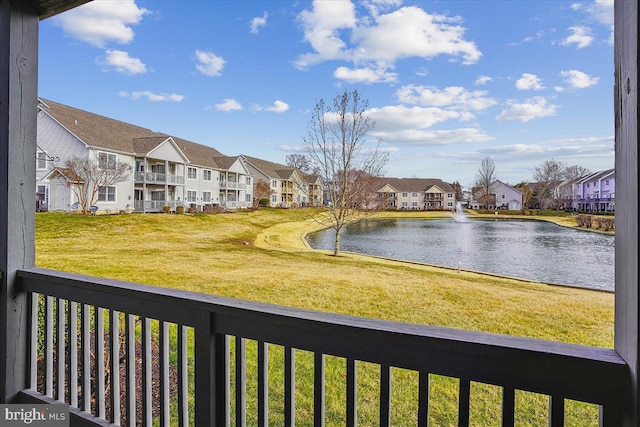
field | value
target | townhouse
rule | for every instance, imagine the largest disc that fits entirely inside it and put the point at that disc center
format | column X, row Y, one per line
column 289, row 186
column 165, row 170
column 415, row 194
column 595, row 192
column 501, row 196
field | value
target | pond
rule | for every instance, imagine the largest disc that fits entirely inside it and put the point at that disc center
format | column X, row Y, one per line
column 532, row 250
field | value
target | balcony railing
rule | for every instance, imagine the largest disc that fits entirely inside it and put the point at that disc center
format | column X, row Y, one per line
column 231, row 185
column 158, row 178
column 154, row 205
column 74, row 317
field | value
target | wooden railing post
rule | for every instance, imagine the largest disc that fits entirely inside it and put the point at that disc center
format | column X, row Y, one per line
column 18, row 104
column 627, row 297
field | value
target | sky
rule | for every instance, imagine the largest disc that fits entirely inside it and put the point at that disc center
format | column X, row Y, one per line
column 448, row 83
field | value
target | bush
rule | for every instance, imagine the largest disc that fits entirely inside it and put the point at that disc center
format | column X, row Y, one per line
column 584, row 220
column 605, row 223
column 180, row 209
column 263, row 202
column 190, row 210
column 166, row 209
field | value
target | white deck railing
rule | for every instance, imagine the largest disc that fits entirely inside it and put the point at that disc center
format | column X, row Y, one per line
column 74, row 318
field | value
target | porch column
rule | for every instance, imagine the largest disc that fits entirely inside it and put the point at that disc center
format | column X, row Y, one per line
column 18, row 108
column 626, row 123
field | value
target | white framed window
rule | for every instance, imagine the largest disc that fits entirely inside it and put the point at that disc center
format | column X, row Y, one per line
column 274, row 198
column 41, row 160
column 405, row 204
column 450, row 195
column 106, row 194
column 157, row 195
column 192, row 196
column 107, row 160
column 206, row 175
column 192, row 173
column 247, row 198
column 414, row 204
column 414, row 194
column 274, row 183
column 405, row 194
column 206, row 196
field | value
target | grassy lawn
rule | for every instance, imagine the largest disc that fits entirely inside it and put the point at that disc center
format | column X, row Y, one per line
column 261, row 256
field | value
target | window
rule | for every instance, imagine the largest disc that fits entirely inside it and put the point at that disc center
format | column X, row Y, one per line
column 192, row 173
column 405, row 204
column 607, row 182
column 274, row 183
column 247, row 198
column 414, row 204
column 206, row 175
column 107, row 160
column 42, row 160
column 414, row 194
column 157, row 196
column 191, row 196
column 450, row 195
column 206, row 196
column 248, row 180
column 405, row 194
column 274, row 198
column 106, row 194
column 503, row 196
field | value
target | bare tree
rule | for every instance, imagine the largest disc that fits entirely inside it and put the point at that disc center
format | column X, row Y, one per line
column 484, row 178
column 549, row 175
column 299, row 161
column 575, row 171
column 95, row 176
column 336, row 143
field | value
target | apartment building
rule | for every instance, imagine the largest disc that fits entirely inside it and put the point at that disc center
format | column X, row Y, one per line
column 165, row 170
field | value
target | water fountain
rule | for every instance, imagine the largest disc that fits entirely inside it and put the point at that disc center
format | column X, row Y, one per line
column 459, row 215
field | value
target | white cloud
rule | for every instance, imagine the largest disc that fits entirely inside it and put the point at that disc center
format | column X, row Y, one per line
column 602, row 11
column 452, row 97
column 580, row 36
column 100, row 22
column 209, row 63
column 533, row 108
column 153, row 97
column 258, row 22
column 228, row 104
column 123, row 63
column 364, row 75
column 529, row 82
column 427, row 137
column 277, row 107
column 335, row 33
column 578, row 79
column 482, row 80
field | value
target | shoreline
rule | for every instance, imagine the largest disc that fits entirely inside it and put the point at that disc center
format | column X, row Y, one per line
column 292, row 237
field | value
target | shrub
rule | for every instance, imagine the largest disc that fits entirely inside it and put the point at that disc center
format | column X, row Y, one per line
column 166, row 209
column 263, row 202
column 180, row 209
column 584, row 220
column 604, row 223
column 190, row 210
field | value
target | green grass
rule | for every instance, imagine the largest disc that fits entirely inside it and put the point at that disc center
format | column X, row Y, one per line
column 260, row 256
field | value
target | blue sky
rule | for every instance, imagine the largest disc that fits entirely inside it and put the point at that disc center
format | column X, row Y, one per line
column 449, row 83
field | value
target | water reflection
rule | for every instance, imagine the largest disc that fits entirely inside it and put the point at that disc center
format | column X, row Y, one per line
column 533, row 250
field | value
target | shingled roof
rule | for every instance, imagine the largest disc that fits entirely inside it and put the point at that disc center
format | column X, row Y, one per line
column 271, row 169
column 102, row 132
column 415, row 184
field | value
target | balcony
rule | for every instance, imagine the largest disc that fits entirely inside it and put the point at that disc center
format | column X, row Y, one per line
column 150, row 206
column 126, row 316
column 157, row 178
column 215, row 325
column 231, row 185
